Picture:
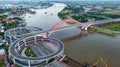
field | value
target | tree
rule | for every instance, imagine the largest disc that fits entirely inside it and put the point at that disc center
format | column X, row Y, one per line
column 1, row 63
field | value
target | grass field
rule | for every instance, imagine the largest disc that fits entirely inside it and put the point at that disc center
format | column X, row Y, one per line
column 1, row 63
column 103, row 31
column 29, row 52
column 114, row 27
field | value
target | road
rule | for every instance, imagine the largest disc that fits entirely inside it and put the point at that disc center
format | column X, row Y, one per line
column 39, row 50
column 13, row 51
column 103, row 21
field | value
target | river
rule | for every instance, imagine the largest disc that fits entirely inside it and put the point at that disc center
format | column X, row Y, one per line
column 79, row 45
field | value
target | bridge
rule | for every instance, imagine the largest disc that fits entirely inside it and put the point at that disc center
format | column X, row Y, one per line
column 21, row 37
column 9, row 34
column 44, row 47
column 19, row 32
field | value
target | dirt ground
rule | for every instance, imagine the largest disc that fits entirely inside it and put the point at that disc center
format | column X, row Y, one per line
column 69, row 63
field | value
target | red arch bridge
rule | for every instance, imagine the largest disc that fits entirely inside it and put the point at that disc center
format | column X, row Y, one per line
column 12, row 33
column 60, row 26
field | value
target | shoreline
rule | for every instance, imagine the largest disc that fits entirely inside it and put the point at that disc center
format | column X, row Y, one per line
column 50, row 13
column 94, row 28
column 69, row 62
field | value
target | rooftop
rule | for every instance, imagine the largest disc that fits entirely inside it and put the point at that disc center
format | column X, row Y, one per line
column 2, row 51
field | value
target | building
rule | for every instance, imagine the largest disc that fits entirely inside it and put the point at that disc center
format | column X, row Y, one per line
column 2, row 29
column 53, row 51
column 3, row 57
column 98, row 7
column 2, row 53
column 2, row 42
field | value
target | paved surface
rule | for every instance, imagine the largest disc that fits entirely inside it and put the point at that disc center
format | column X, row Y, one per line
column 26, row 64
column 14, row 54
column 39, row 50
column 55, row 64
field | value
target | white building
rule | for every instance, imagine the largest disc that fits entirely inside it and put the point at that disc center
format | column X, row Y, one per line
column 2, row 29
column 2, row 52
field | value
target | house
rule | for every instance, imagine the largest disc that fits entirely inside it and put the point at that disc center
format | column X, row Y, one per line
column 2, row 29
column 8, row 20
column 1, row 42
column 2, row 53
column 1, row 23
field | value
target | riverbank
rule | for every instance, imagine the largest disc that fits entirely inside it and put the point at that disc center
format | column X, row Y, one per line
column 103, row 31
column 39, row 19
column 64, row 15
column 69, row 62
column 112, row 26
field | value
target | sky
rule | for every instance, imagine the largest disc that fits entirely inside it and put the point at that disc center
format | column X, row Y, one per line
column 59, row 0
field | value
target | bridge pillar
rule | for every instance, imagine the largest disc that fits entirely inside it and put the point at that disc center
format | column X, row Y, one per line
column 29, row 63
column 10, row 39
column 46, row 61
column 48, row 34
column 14, row 32
column 35, row 39
column 83, row 27
column 86, row 28
column 14, row 60
column 5, row 37
column 25, row 42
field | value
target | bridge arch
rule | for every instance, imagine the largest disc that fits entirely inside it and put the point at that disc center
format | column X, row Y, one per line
column 57, row 25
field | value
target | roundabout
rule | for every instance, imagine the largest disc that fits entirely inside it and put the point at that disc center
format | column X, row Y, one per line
column 46, row 50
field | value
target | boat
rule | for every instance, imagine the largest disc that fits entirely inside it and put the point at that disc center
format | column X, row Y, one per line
column 45, row 12
column 51, row 13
